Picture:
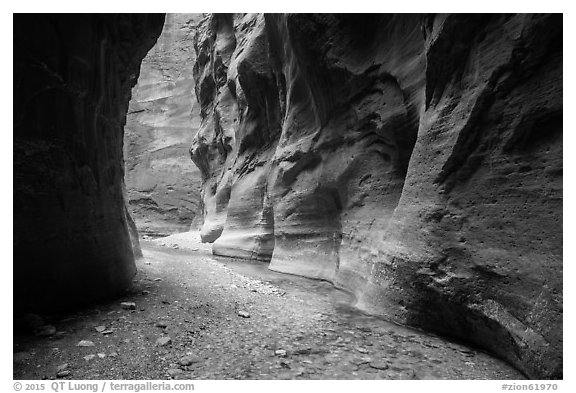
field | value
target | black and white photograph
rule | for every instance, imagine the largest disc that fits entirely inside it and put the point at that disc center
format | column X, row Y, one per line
column 286, row 196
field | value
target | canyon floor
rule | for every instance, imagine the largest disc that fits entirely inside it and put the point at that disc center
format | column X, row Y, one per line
column 198, row 316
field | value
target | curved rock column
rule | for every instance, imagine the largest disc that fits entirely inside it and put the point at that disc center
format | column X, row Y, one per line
column 72, row 81
column 474, row 248
column 413, row 160
column 354, row 85
column 241, row 116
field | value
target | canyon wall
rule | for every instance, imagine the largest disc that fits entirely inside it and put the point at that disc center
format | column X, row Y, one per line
column 162, row 184
column 72, row 80
column 415, row 161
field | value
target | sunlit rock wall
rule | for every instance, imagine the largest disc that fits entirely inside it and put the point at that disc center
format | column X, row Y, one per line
column 162, row 184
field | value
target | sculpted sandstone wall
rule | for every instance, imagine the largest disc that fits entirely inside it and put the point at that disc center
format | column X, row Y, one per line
column 415, row 161
column 72, row 81
column 163, row 185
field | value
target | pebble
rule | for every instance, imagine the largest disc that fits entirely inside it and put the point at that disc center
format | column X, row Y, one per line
column 145, row 292
column 100, row 329
column 62, row 367
column 163, row 341
column 162, row 325
column 188, row 360
column 62, row 374
column 128, row 305
column 46, row 331
column 107, row 332
column 85, row 343
column 379, row 365
column 174, row 372
column 280, row 352
column 89, row 357
column 243, row 314
column 101, row 355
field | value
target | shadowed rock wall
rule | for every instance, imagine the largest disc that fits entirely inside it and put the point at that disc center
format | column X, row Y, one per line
column 415, row 161
column 72, row 81
column 163, row 185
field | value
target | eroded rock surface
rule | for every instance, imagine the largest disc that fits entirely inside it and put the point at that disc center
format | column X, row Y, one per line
column 415, row 161
column 72, row 81
column 162, row 184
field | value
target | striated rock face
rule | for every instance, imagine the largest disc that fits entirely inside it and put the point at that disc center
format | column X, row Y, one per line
column 415, row 161
column 72, row 81
column 241, row 124
column 163, row 185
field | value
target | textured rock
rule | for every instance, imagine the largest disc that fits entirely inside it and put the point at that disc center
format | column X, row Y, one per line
column 163, row 185
column 415, row 161
column 241, row 116
column 72, row 81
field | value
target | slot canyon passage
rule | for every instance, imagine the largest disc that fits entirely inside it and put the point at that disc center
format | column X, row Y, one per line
column 318, row 196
